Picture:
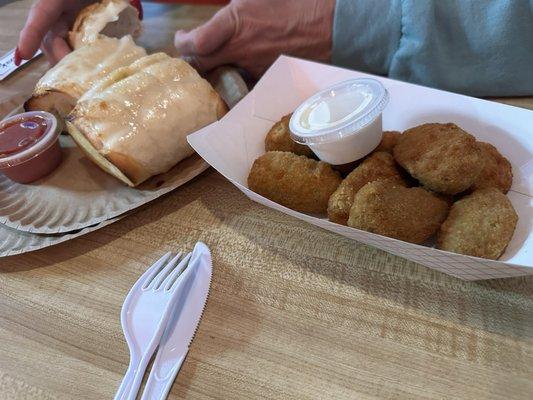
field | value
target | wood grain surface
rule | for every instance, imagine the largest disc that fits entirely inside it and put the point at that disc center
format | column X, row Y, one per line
column 294, row 312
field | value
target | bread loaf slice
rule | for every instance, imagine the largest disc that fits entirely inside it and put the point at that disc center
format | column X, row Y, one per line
column 134, row 122
column 59, row 89
column 112, row 18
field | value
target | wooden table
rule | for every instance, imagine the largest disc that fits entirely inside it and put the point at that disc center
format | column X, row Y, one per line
column 294, row 312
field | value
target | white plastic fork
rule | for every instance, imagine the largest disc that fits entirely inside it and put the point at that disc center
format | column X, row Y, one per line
column 145, row 314
column 181, row 327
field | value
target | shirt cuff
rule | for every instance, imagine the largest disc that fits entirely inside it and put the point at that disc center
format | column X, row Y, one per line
column 366, row 34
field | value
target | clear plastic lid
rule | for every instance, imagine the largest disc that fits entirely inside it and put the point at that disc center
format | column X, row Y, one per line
column 47, row 139
column 338, row 111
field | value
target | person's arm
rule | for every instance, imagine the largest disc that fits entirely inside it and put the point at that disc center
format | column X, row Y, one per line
column 483, row 48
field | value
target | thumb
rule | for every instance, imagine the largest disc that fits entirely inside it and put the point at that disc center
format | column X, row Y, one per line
column 209, row 37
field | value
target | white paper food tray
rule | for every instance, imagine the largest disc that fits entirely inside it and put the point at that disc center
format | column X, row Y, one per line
column 232, row 144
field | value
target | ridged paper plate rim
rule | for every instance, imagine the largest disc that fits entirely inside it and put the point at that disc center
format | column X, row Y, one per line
column 14, row 242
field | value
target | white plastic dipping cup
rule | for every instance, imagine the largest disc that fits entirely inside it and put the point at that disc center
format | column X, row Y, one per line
column 342, row 123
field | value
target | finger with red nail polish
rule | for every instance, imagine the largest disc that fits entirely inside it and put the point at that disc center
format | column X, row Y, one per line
column 137, row 4
column 17, row 59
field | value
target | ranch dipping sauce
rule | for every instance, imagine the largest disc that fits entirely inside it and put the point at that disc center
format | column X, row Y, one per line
column 29, row 146
column 342, row 123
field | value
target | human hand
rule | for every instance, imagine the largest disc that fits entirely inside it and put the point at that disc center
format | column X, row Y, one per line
column 251, row 34
column 47, row 27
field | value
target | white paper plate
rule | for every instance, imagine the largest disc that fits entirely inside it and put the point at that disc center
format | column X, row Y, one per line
column 14, row 242
column 78, row 194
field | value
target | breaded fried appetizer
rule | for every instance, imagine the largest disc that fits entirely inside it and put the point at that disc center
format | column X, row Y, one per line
column 448, row 198
column 278, row 138
column 481, row 225
column 408, row 214
column 388, row 141
column 378, row 166
column 345, row 169
column 443, row 157
column 496, row 172
column 296, row 182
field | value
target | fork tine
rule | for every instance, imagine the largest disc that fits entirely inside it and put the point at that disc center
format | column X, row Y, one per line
column 175, row 275
column 151, row 272
column 160, row 278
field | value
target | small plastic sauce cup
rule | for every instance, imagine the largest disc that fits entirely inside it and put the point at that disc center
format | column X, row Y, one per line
column 29, row 146
column 342, row 123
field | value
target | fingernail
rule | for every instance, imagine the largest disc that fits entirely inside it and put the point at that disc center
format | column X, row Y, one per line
column 17, row 58
column 179, row 40
column 192, row 61
column 178, row 36
column 137, row 4
column 188, row 59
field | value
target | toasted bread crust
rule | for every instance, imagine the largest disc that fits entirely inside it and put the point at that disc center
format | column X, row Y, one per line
column 54, row 101
column 113, row 18
column 129, row 167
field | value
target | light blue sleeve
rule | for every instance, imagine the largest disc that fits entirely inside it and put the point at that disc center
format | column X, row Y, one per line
column 478, row 47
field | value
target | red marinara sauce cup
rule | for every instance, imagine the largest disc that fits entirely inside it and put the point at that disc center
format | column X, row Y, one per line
column 29, row 146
